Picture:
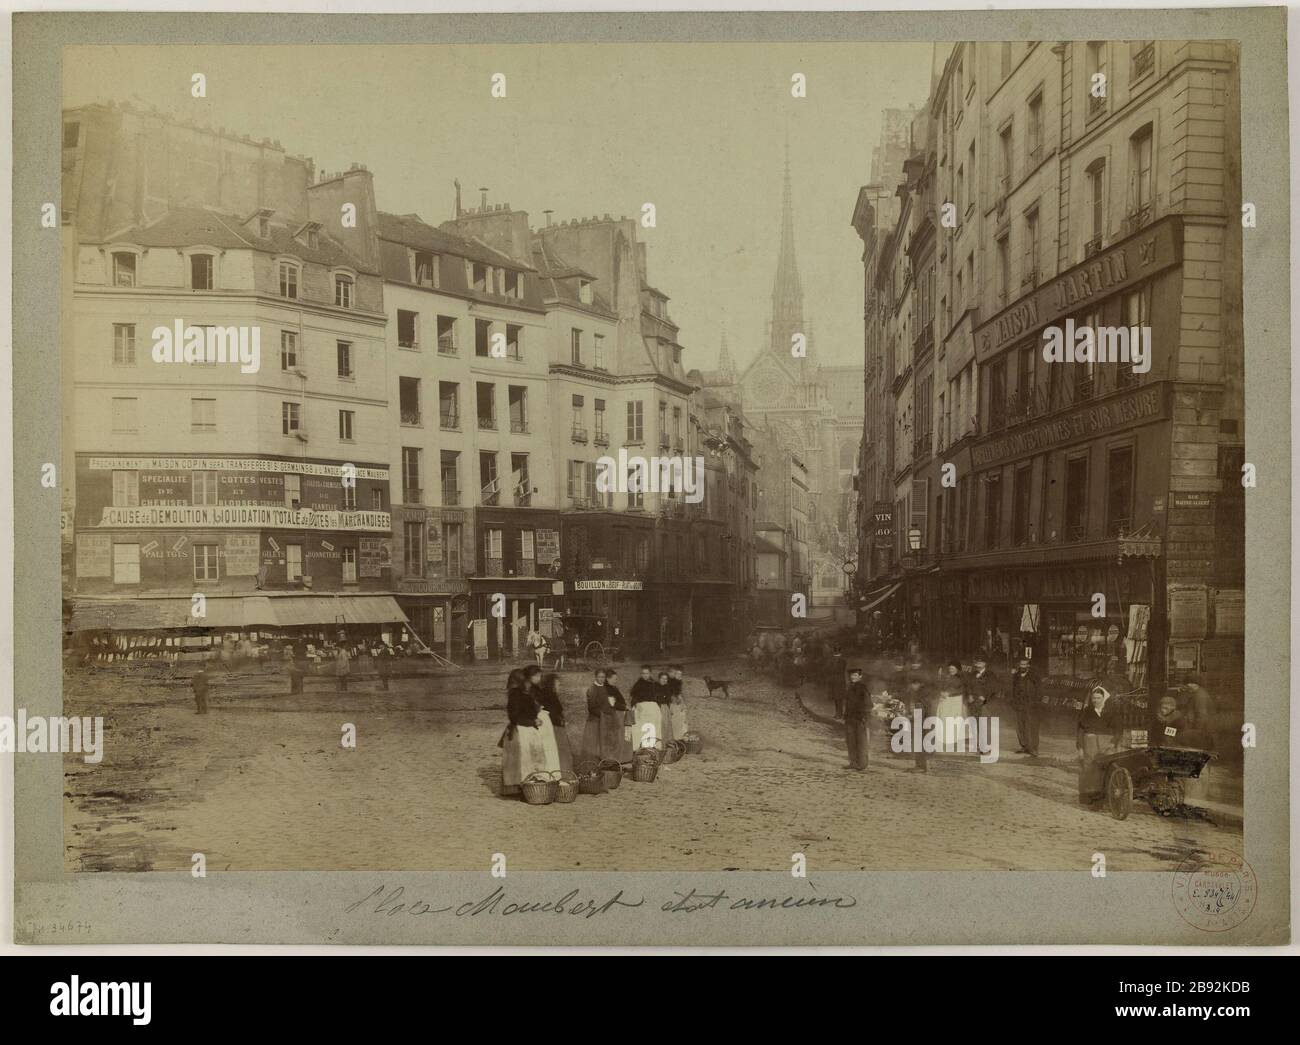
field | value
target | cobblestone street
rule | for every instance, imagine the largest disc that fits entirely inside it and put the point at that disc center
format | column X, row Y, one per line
column 263, row 783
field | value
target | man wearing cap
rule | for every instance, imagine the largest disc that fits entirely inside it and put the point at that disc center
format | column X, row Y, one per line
column 857, row 709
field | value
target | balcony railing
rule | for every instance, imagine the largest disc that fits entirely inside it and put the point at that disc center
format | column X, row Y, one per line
column 446, row 345
column 1096, row 105
column 449, row 421
column 490, row 494
column 1068, row 391
column 578, row 435
column 1093, row 246
column 601, row 439
column 410, row 417
column 450, row 495
column 487, row 422
column 519, row 426
column 523, row 495
column 1137, row 218
column 1144, row 61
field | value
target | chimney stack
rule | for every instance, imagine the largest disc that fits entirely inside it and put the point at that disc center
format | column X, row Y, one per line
column 483, row 198
column 548, row 214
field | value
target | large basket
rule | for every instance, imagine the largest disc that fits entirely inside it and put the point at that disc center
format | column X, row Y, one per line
column 694, row 743
column 673, row 751
column 566, row 787
column 591, row 779
column 612, row 772
column 539, row 789
column 653, row 751
column 645, row 769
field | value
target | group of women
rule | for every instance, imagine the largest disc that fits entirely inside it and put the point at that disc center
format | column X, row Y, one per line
column 536, row 739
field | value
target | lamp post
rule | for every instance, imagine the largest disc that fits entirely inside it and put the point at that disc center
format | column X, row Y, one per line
column 914, row 539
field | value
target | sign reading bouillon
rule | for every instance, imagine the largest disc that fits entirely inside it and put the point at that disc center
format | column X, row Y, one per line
column 1148, row 251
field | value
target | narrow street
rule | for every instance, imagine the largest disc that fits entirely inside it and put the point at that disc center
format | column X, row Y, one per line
column 262, row 783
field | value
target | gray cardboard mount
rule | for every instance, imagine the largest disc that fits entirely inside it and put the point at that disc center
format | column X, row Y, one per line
column 52, row 906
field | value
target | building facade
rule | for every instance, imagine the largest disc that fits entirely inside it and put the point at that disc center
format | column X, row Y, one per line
column 1094, row 516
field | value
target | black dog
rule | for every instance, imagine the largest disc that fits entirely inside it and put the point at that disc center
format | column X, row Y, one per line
column 721, row 684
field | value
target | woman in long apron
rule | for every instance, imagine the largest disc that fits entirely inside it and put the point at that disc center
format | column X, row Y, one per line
column 664, row 694
column 647, row 720
column 605, row 735
column 528, row 744
column 678, row 706
column 549, row 697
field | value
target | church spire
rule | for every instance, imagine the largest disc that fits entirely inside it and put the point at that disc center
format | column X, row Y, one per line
column 725, row 365
column 787, row 292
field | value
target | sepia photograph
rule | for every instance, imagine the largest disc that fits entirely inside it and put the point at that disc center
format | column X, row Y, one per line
column 630, row 456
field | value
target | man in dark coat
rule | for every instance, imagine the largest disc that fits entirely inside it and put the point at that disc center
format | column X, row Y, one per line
column 921, row 695
column 834, row 678
column 199, row 683
column 857, row 722
column 297, row 668
column 1026, row 698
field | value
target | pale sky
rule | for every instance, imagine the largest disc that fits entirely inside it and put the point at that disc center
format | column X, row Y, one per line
column 585, row 129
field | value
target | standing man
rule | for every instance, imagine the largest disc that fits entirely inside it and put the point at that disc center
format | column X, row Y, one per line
column 922, row 695
column 1025, row 697
column 296, row 671
column 199, row 683
column 982, row 688
column 835, row 681
column 384, row 666
column 857, row 723
column 343, row 667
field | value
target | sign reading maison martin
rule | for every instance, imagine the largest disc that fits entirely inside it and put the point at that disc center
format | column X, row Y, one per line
column 1153, row 248
column 1139, row 407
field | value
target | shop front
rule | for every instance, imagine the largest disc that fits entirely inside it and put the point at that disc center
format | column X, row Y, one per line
column 1078, row 623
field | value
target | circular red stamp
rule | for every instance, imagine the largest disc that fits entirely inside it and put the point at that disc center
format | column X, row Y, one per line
column 1215, row 890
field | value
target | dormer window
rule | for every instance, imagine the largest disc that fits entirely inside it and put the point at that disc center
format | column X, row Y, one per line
column 425, row 269
column 584, row 291
column 124, row 269
column 200, row 271
column 343, row 291
column 513, row 284
column 264, row 227
column 309, row 235
column 313, row 238
column 478, row 279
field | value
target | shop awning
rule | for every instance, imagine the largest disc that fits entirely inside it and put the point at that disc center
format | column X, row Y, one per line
column 879, row 597
column 249, row 611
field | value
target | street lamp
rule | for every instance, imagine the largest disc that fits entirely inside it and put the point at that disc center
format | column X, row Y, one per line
column 914, row 538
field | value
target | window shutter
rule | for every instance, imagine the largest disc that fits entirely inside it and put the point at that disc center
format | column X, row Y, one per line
column 920, row 507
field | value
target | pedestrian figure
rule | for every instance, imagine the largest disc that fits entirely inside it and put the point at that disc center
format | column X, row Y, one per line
column 548, row 694
column 664, row 695
column 1026, row 697
column 857, row 722
column 383, row 665
column 343, row 668
column 528, row 743
column 606, row 735
column 296, row 671
column 647, row 720
column 199, row 683
column 923, row 696
column 834, row 678
column 677, row 708
column 1097, row 733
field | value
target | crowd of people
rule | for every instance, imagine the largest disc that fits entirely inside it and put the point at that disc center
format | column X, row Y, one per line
column 536, row 736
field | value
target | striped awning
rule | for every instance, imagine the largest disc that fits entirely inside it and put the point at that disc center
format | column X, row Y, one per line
column 233, row 611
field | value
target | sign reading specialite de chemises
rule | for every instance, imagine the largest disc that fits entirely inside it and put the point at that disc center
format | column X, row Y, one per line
column 217, row 516
column 230, row 464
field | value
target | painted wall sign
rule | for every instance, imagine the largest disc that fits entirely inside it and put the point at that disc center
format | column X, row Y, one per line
column 222, row 515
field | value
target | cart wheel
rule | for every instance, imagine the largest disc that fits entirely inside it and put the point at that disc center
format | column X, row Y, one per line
column 1119, row 792
column 594, row 652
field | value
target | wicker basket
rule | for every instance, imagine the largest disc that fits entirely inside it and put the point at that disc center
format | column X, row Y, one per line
column 694, row 743
column 591, row 781
column 566, row 787
column 645, row 769
column 612, row 772
column 655, row 751
column 539, row 789
column 673, row 751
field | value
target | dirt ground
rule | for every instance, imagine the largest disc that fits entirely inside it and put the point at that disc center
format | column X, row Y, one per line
column 263, row 783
